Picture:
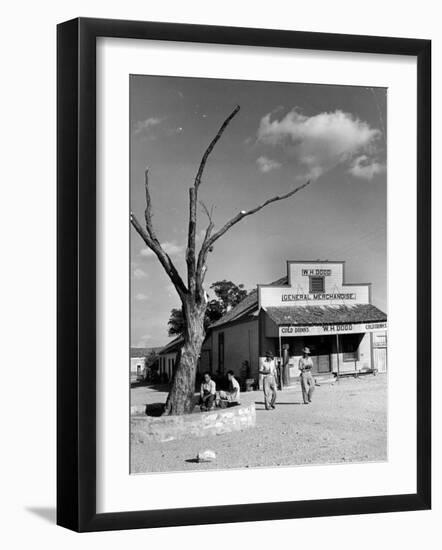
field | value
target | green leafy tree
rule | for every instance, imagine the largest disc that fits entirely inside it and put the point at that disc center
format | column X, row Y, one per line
column 228, row 295
column 151, row 359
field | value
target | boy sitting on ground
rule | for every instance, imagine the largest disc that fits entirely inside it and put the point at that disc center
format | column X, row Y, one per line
column 207, row 393
column 231, row 397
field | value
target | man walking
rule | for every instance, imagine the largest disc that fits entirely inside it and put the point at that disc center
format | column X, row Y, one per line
column 268, row 371
column 307, row 381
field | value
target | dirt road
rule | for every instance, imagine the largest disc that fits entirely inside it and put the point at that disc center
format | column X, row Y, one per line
column 346, row 422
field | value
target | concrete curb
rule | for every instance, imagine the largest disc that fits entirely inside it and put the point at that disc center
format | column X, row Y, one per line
column 167, row 428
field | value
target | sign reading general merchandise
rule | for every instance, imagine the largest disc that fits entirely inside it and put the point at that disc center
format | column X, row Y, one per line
column 341, row 328
column 323, row 296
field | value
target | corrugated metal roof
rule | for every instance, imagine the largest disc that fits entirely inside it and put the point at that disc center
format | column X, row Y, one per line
column 326, row 314
column 172, row 346
column 245, row 307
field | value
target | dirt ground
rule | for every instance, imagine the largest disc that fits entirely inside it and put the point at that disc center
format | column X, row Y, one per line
column 346, row 422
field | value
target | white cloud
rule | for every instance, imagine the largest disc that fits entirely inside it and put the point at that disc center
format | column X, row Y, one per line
column 366, row 168
column 139, row 273
column 170, row 247
column 266, row 164
column 142, row 126
column 320, row 142
column 141, row 297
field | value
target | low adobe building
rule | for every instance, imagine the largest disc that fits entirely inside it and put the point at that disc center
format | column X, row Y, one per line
column 312, row 306
column 137, row 364
column 167, row 357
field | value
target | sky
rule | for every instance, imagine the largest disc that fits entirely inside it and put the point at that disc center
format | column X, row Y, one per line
column 284, row 134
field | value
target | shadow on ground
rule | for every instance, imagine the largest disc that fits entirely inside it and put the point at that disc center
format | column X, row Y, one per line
column 280, row 403
column 154, row 409
column 152, row 387
column 46, row 513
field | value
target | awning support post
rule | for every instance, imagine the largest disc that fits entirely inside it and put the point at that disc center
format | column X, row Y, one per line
column 337, row 356
column 280, row 362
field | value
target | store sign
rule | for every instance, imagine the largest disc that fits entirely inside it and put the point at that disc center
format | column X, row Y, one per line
column 316, row 272
column 303, row 290
column 318, row 297
column 341, row 328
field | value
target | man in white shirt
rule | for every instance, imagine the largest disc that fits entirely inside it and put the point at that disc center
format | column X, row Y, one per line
column 268, row 371
column 307, row 381
column 207, row 393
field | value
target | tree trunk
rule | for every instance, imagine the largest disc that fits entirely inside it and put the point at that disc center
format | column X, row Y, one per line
column 181, row 395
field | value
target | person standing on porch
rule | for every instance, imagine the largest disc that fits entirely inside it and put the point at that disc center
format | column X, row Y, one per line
column 307, row 381
column 268, row 371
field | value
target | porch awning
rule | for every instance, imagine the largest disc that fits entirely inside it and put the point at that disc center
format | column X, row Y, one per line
column 317, row 320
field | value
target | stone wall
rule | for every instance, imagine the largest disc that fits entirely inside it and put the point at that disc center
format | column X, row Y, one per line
column 166, row 428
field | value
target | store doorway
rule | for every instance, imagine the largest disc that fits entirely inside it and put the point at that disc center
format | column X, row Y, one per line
column 321, row 348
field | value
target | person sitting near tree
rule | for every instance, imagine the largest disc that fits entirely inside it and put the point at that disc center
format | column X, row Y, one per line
column 207, row 393
column 232, row 395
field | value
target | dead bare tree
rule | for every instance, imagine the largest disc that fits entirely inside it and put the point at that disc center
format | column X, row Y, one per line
column 193, row 296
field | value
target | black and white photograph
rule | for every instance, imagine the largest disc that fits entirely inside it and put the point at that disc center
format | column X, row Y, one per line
column 217, row 266
column 258, row 274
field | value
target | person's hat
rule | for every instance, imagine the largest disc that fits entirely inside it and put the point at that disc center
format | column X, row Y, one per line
column 306, row 350
column 269, row 354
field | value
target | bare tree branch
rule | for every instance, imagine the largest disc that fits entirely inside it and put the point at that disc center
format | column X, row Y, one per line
column 193, row 199
column 201, row 267
column 212, row 145
column 191, row 237
column 163, row 257
column 245, row 213
column 148, row 211
column 149, row 237
column 210, row 240
column 206, row 210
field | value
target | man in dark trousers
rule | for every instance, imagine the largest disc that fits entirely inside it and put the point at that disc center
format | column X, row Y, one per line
column 307, row 381
column 268, row 371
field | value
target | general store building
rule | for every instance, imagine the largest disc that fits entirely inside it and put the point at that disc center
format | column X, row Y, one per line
column 313, row 306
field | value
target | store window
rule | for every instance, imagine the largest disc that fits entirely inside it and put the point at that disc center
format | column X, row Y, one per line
column 316, row 285
column 380, row 340
column 350, row 347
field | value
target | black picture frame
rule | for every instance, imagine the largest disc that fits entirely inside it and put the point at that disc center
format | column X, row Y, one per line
column 76, row 274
